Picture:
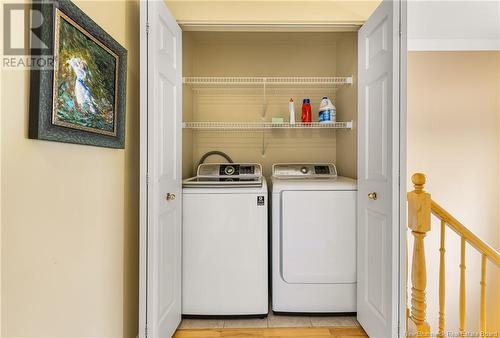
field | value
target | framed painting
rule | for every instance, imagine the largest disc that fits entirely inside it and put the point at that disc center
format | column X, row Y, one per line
column 81, row 98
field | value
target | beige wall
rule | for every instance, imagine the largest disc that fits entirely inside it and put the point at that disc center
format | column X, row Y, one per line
column 347, row 106
column 453, row 137
column 69, row 255
column 187, row 106
column 267, row 54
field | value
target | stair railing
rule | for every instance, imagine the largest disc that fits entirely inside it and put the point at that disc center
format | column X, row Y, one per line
column 420, row 208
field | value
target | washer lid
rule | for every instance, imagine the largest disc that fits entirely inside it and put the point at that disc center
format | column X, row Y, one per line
column 213, row 182
column 234, row 188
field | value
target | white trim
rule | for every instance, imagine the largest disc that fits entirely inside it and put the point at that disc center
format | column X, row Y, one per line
column 255, row 26
column 397, row 134
column 403, row 19
column 2, row 194
column 143, row 170
column 453, row 44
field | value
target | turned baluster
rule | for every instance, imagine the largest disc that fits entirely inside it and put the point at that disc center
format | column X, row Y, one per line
column 419, row 219
column 482, row 318
column 462, row 288
column 442, row 279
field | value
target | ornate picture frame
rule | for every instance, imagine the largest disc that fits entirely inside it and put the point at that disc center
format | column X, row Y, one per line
column 82, row 98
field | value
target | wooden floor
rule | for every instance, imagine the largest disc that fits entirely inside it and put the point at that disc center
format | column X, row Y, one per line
column 313, row 332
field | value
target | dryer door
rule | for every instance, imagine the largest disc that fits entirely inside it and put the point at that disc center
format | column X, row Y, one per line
column 318, row 237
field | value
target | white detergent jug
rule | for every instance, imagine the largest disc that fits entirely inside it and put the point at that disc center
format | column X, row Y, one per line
column 327, row 111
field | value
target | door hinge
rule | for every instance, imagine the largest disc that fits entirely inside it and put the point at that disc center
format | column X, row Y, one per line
column 148, row 27
column 147, row 179
column 146, row 331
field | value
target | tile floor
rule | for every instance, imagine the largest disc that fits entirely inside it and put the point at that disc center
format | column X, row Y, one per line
column 271, row 321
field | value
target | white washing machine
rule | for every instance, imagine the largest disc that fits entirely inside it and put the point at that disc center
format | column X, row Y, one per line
column 313, row 239
column 225, row 237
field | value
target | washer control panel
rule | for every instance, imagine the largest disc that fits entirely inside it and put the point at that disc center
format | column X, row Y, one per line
column 304, row 170
column 242, row 170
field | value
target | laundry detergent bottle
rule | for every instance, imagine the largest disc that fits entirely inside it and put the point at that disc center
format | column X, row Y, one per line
column 306, row 111
column 327, row 112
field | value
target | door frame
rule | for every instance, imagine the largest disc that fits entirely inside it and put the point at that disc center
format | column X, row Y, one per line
column 224, row 26
column 143, row 169
column 403, row 230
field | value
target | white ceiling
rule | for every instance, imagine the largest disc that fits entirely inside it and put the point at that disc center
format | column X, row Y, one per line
column 453, row 25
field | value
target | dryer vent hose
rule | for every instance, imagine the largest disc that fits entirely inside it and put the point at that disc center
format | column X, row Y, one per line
column 215, row 152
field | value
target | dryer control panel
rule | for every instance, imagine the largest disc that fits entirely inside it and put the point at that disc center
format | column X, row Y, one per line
column 304, row 170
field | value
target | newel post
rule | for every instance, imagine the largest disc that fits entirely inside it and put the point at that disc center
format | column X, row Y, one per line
column 419, row 222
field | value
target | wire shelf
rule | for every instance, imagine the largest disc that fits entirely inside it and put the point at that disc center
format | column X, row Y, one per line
column 264, row 125
column 276, row 92
column 273, row 81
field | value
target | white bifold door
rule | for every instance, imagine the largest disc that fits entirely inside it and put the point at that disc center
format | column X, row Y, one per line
column 161, row 175
column 380, row 112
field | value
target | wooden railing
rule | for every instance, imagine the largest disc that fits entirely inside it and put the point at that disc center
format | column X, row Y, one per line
column 420, row 208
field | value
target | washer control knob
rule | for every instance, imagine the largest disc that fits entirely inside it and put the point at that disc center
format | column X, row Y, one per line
column 229, row 170
column 304, row 170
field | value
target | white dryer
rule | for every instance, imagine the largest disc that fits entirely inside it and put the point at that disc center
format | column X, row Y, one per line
column 313, row 239
column 224, row 241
